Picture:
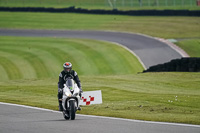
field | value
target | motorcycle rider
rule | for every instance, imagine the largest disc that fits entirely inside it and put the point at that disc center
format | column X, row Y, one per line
column 64, row 75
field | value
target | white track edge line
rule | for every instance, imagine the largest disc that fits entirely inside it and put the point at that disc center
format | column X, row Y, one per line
column 132, row 52
column 170, row 44
column 104, row 117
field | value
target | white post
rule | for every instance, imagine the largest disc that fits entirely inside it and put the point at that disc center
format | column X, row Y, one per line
column 131, row 3
column 140, row 2
column 110, row 3
column 148, row 2
column 114, row 4
column 157, row 2
column 166, row 2
column 122, row 3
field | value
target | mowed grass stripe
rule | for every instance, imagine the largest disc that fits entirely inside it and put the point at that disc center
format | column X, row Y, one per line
column 105, row 50
column 85, row 63
column 89, row 57
column 56, row 59
column 33, row 59
column 55, row 56
column 92, row 52
column 65, row 50
column 47, row 60
column 51, row 56
column 60, row 50
column 88, row 66
column 68, row 52
column 24, row 66
column 11, row 69
column 129, row 62
column 125, row 66
column 3, row 75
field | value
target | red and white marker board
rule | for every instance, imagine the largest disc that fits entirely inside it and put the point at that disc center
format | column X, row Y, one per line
column 91, row 97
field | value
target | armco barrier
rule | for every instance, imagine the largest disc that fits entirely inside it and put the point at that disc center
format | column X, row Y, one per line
column 189, row 64
column 98, row 11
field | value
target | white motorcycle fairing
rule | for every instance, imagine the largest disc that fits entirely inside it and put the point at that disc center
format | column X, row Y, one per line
column 71, row 99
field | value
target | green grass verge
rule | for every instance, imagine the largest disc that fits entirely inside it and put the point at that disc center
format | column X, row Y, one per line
column 29, row 58
column 171, row 97
column 192, row 47
column 164, row 27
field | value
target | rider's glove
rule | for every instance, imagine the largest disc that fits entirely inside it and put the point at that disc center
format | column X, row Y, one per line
column 81, row 91
column 60, row 90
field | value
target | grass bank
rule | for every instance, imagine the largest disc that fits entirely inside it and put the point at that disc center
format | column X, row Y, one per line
column 164, row 27
column 170, row 97
column 33, row 58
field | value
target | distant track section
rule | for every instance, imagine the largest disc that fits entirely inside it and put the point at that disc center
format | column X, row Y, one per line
column 150, row 51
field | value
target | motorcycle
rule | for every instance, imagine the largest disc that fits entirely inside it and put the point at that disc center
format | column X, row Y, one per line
column 71, row 99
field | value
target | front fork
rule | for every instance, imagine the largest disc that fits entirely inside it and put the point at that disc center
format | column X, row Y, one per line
column 65, row 102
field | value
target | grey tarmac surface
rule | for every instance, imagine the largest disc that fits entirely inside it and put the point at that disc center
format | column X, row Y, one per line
column 20, row 119
column 149, row 50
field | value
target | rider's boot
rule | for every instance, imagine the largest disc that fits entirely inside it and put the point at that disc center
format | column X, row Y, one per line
column 60, row 106
column 79, row 108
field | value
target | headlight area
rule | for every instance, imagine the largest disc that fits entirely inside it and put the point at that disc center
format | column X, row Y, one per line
column 68, row 94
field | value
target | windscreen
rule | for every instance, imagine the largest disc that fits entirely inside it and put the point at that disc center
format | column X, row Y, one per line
column 69, row 83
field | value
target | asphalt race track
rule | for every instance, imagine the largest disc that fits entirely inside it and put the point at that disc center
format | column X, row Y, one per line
column 149, row 50
column 22, row 119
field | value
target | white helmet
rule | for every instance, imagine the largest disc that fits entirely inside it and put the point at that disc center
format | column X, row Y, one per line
column 67, row 66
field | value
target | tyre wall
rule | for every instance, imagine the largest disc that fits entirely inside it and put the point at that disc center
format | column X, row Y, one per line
column 98, row 11
column 189, row 64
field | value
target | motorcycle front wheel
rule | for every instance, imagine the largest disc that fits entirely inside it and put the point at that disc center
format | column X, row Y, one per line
column 72, row 109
